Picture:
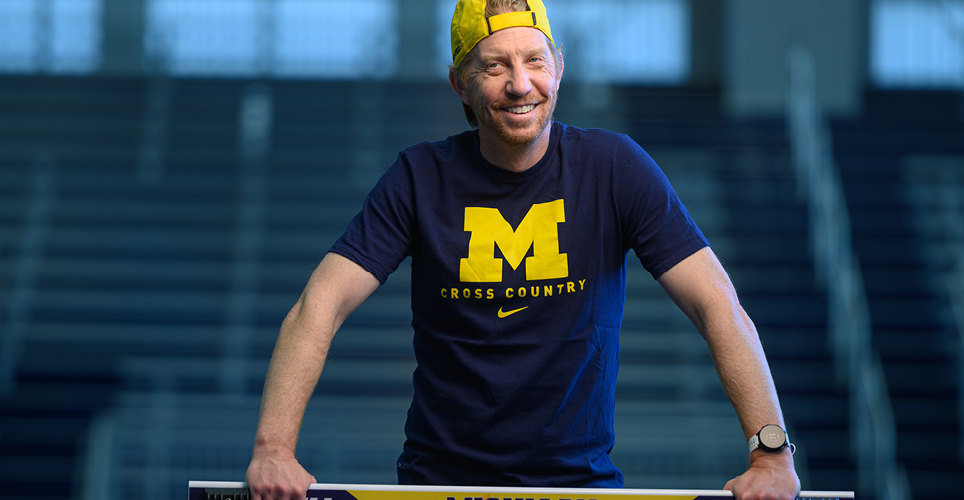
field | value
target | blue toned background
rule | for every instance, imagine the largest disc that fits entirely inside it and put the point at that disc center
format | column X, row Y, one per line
column 172, row 170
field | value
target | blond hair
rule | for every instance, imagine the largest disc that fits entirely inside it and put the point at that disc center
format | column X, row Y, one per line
column 496, row 7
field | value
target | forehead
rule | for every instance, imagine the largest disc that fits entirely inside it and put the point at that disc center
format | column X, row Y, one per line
column 517, row 40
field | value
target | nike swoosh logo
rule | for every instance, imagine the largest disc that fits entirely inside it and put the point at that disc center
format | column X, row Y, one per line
column 506, row 314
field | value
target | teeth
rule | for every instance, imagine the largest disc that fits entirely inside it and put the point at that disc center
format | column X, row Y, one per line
column 521, row 109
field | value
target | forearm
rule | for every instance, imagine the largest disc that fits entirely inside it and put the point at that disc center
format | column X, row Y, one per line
column 746, row 378
column 293, row 372
column 742, row 367
column 274, row 471
column 336, row 288
column 703, row 291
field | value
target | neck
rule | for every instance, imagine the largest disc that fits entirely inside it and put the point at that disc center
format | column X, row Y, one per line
column 513, row 157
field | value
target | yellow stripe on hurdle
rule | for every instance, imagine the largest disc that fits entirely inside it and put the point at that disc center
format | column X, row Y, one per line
column 514, row 494
column 394, row 492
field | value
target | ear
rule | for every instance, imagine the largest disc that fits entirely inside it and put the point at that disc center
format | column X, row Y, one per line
column 457, row 86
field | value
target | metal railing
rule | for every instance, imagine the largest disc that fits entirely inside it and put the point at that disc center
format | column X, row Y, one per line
column 838, row 270
column 26, row 266
column 935, row 188
column 255, row 124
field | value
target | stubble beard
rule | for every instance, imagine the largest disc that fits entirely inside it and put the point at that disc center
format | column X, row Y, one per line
column 513, row 136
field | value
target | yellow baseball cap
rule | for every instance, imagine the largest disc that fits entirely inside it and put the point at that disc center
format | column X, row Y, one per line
column 470, row 26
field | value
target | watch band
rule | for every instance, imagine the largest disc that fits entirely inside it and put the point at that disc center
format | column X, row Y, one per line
column 773, row 431
column 754, row 442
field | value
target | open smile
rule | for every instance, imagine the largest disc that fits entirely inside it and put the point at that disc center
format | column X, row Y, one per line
column 520, row 110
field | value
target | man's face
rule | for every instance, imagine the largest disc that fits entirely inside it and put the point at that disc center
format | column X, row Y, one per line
column 513, row 85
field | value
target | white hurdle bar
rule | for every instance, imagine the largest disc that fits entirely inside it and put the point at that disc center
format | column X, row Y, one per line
column 217, row 490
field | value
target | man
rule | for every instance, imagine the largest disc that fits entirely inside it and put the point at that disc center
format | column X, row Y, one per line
column 518, row 233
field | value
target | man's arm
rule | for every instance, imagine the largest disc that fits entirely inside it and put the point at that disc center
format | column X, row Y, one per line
column 336, row 288
column 701, row 288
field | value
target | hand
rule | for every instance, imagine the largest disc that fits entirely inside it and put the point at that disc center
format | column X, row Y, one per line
column 770, row 477
column 277, row 476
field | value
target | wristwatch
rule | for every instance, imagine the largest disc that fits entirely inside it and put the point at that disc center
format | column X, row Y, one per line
column 771, row 437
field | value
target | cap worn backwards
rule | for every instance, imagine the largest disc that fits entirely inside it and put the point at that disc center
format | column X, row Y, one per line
column 470, row 26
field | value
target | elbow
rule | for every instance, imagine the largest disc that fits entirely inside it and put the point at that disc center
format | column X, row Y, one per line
column 294, row 313
column 721, row 317
column 310, row 320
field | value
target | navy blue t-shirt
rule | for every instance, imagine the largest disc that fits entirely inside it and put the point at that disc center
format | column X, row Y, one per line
column 518, row 285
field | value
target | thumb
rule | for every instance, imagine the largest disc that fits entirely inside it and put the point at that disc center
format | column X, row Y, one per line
column 729, row 484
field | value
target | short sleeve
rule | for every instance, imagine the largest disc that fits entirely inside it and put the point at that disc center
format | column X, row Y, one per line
column 380, row 236
column 654, row 222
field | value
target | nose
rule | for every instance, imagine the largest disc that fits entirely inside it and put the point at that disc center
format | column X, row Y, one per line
column 519, row 83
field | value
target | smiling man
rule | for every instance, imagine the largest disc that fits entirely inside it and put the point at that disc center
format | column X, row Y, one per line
column 509, row 86
column 518, row 232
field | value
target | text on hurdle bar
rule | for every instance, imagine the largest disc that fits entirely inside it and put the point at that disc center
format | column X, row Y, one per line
column 217, row 490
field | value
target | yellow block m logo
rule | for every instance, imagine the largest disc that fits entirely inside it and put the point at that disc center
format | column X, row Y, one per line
column 538, row 230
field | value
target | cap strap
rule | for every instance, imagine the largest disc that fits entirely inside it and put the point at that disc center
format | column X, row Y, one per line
column 511, row 20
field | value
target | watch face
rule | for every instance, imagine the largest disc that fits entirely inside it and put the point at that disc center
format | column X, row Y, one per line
column 772, row 436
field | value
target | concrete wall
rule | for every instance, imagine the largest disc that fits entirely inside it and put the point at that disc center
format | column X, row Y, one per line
column 757, row 35
column 123, row 43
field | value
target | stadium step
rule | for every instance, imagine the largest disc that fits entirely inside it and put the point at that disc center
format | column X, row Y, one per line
column 909, row 315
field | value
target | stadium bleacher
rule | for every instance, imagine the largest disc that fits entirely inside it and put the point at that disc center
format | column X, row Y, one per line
column 117, row 289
